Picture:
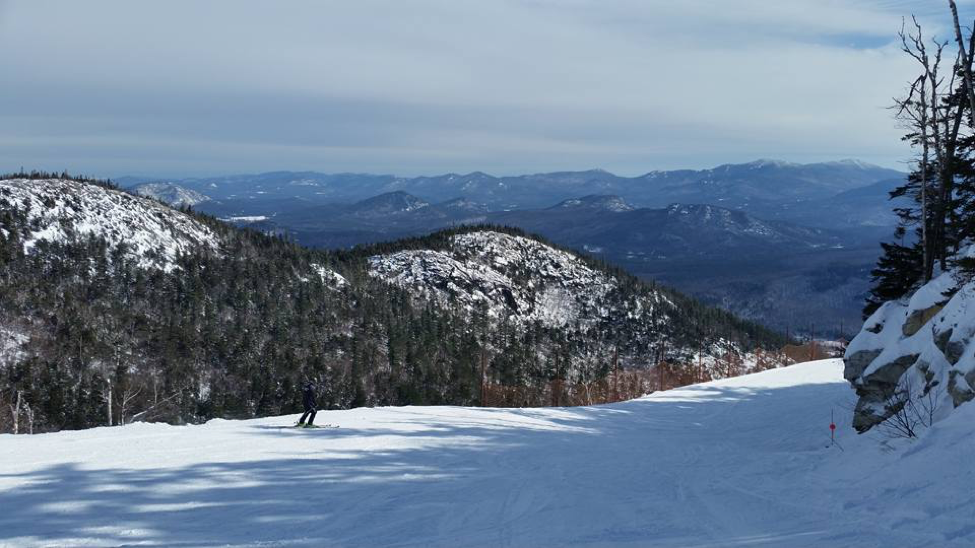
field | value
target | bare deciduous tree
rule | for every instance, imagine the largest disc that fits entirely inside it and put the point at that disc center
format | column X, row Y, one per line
column 919, row 112
column 15, row 410
column 909, row 409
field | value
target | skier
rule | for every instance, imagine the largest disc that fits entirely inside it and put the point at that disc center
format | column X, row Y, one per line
column 308, row 400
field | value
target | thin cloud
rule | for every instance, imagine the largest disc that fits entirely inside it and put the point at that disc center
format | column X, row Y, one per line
column 186, row 88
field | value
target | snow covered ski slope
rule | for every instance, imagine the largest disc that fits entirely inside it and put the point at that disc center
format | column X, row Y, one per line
column 737, row 462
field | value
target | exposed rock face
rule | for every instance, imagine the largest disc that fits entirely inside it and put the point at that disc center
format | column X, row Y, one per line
column 918, row 318
column 857, row 362
column 922, row 343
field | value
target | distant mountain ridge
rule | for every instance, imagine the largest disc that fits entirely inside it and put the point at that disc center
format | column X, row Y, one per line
column 766, row 188
column 775, row 272
column 170, row 193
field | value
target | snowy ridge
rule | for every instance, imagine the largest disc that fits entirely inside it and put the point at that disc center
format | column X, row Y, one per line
column 59, row 210
column 513, row 277
column 170, row 193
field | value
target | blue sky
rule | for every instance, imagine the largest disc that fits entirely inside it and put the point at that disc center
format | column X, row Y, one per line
column 184, row 88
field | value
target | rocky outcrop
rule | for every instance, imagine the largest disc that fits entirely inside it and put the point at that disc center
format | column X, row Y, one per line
column 857, row 362
column 920, row 345
column 918, row 318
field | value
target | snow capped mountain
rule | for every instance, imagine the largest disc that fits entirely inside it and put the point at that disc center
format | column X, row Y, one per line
column 520, row 281
column 512, row 276
column 59, row 210
column 170, row 193
column 765, row 163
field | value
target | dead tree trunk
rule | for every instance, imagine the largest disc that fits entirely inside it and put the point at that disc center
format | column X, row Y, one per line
column 15, row 411
column 108, row 400
column 967, row 66
column 29, row 411
column 920, row 110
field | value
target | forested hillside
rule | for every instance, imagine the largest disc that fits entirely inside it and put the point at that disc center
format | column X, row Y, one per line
column 115, row 307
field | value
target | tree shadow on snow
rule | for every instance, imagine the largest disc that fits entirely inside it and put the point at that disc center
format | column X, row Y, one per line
column 466, row 470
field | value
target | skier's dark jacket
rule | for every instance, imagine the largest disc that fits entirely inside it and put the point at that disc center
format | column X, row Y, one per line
column 308, row 397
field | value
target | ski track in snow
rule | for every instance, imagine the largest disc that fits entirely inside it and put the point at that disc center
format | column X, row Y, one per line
column 737, row 462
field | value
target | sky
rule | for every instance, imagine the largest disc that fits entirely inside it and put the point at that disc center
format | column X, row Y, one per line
column 186, row 88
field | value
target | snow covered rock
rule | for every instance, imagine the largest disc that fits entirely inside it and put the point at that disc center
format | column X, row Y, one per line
column 329, row 277
column 513, row 277
column 518, row 281
column 919, row 345
column 62, row 210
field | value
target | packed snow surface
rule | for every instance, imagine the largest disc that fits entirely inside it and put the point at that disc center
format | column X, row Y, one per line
column 737, row 462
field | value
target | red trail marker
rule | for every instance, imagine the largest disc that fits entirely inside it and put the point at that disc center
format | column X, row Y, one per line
column 832, row 428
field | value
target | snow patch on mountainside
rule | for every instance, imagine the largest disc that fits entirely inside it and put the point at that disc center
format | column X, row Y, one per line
column 12, row 345
column 245, row 219
column 330, row 277
column 60, row 210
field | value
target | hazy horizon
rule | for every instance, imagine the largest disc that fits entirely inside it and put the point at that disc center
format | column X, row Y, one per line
column 165, row 178
column 186, row 89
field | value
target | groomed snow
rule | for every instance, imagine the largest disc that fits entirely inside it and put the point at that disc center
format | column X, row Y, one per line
column 737, row 462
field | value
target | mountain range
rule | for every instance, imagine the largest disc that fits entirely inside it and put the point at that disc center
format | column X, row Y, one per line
column 790, row 245
column 766, row 188
column 112, row 298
